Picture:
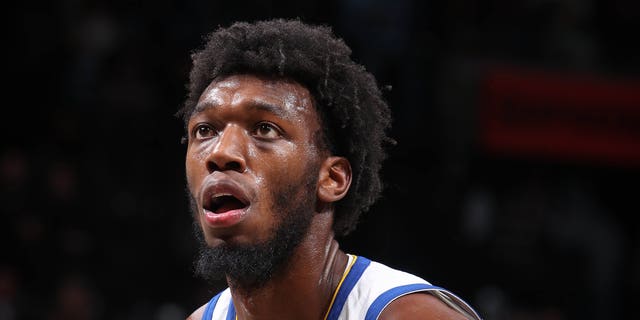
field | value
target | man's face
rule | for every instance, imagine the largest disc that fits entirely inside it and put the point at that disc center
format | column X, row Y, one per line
column 252, row 160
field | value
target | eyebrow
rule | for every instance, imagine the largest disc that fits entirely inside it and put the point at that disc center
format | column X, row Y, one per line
column 252, row 105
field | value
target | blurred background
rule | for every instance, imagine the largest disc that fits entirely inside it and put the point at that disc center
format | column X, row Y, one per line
column 514, row 182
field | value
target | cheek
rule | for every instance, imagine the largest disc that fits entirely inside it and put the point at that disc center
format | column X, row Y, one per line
column 288, row 166
column 194, row 165
column 198, row 153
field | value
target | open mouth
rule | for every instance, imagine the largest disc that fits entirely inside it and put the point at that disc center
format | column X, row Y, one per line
column 223, row 203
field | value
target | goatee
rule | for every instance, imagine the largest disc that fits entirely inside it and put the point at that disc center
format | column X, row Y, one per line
column 250, row 266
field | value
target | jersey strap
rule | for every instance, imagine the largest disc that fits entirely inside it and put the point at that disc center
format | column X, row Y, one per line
column 208, row 312
column 231, row 311
column 388, row 296
column 350, row 281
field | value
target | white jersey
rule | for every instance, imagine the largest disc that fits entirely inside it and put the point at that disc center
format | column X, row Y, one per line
column 364, row 291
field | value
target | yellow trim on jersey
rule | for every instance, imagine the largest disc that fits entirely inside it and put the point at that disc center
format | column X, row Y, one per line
column 335, row 293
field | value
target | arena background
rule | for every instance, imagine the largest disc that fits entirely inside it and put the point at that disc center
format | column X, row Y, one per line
column 514, row 182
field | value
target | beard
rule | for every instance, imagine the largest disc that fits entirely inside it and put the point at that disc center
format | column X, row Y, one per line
column 250, row 266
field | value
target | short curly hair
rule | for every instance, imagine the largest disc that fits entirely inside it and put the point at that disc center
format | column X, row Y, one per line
column 354, row 115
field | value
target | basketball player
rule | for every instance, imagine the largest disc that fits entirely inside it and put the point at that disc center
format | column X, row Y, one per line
column 285, row 137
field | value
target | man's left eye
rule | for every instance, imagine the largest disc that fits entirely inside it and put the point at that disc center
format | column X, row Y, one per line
column 267, row 130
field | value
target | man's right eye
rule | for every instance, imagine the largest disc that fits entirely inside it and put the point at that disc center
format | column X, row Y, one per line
column 204, row 131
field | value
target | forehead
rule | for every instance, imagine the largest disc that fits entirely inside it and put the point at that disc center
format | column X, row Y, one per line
column 277, row 95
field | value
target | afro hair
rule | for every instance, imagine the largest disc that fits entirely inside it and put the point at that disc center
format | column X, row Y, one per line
column 354, row 115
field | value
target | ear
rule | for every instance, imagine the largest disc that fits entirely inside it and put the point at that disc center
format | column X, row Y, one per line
column 334, row 180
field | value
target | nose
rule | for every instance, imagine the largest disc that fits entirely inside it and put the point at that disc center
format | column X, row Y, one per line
column 228, row 152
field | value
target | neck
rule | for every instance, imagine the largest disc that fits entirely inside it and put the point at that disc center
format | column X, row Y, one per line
column 303, row 288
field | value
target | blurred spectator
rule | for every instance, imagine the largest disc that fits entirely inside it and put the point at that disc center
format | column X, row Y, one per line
column 74, row 300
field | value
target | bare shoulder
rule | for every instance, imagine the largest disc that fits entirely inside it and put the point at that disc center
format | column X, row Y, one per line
column 419, row 306
column 197, row 315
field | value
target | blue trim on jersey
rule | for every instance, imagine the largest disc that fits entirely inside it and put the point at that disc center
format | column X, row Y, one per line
column 385, row 298
column 349, row 282
column 231, row 311
column 208, row 312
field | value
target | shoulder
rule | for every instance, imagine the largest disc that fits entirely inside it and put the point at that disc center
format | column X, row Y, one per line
column 419, row 306
column 395, row 294
column 197, row 315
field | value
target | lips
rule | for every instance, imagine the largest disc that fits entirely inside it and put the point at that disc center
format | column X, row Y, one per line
column 224, row 202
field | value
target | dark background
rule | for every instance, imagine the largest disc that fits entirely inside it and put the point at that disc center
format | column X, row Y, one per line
column 94, row 217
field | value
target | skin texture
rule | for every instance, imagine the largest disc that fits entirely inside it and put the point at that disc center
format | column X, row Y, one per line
column 257, row 134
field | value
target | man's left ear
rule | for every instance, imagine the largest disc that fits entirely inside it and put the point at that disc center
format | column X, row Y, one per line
column 334, row 180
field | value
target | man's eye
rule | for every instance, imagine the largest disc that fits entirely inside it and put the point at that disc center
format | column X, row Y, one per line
column 267, row 131
column 204, row 132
